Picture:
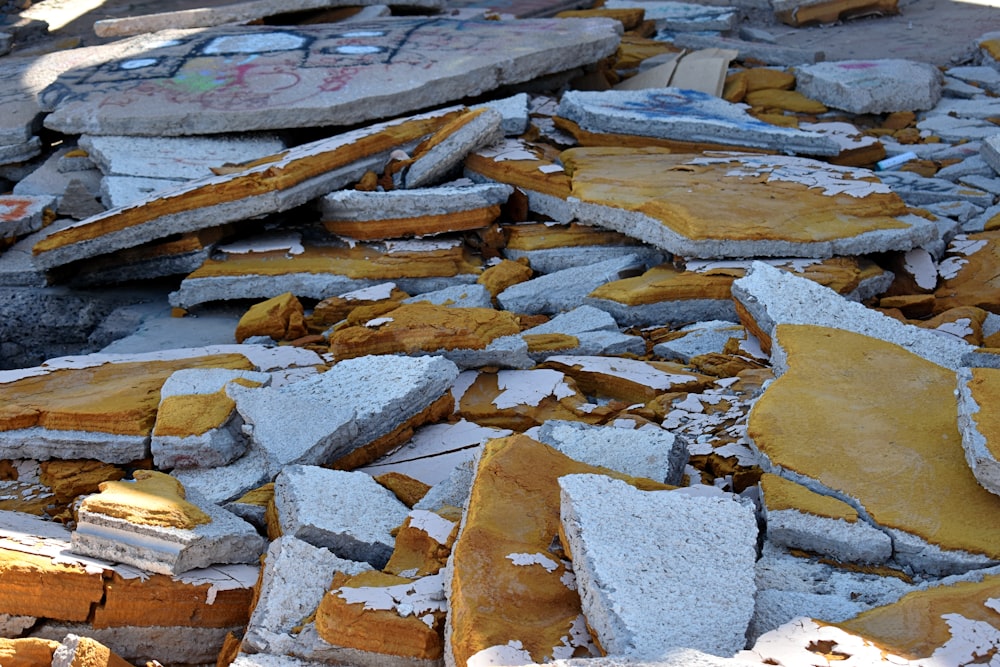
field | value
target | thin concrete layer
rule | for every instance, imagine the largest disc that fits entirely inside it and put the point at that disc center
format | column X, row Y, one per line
column 291, row 179
column 564, row 290
column 445, row 150
column 225, row 539
column 327, row 416
column 358, row 206
column 315, row 76
column 686, row 545
column 644, row 452
column 296, row 576
column 977, row 389
column 902, row 438
column 685, row 115
column 788, row 206
column 348, row 513
column 772, row 297
column 871, row 86
column 990, row 152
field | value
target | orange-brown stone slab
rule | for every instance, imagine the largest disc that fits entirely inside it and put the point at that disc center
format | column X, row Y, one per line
column 630, row 380
column 27, row 652
column 971, row 273
column 280, row 317
column 875, row 425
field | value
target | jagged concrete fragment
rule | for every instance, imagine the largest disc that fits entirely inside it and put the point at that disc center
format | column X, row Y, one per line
column 321, row 271
column 682, row 16
column 608, row 523
column 644, row 452
column 976, row 421
column 686, row 116
column 916, row 189
column 769, row 297
column 990, row 152
column 412, row 212
column 564, row 290
column 459, row 296
column 346, row 512
column 21, row 215
column 335, row 72
column 675, row 202
column 798, row 518
column 700, row 338
column 328, row 416
column 293, row 178
column 871, row 86
column 903, row 408
column 167, row 550
column 441, row 153
column 296, row 576
column 196, row 422
column 582, row 331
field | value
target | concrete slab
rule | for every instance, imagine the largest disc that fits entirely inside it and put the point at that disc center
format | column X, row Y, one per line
column 444, row 151
column 771, row 297
column 227, row 483
column 953, row 87
column 916, row 189
column 975, row 165
column 750, row 51
column 290, row 181
column 674, row 202
column 348, row 513
column 319, row 271
column 551, row 247
column 564, row 290
column 313, row 75
column 965, row 272
column 21, row 215
column 977, row 426
column 16, row 153
column 982, row 76
column 989, row 184
column 955, row 129
column 607, row 523
column 514, row 110
column 871, row 86
column 699, row 338
column 589, row 330
column 168, row 550
column 296, row 576
column 648, row 451
column 990, row 152
column 683, row 16
column 412, row 212
column 327, row 416
column 685, row 116
column 182, row 645
column 459, row 296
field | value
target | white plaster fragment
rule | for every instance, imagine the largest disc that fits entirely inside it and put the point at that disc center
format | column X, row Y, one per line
column 289, row 242
column 530, row 387
column 511, row 654
column 533, row 559
column 919, row 263
column 418, row 597
column 435, row 525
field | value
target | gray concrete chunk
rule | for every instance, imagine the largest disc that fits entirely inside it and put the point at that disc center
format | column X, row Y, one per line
column 564, row 290
column 979, row 452
column 686, row 545
column 348, row 513
column 871, row 86
column 990, row 152
column 355, row 205
column 916, row 189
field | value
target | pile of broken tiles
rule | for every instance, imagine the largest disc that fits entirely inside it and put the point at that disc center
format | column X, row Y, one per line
column 555, row 371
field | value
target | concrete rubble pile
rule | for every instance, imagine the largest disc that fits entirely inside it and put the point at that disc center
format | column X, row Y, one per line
column 433, row 336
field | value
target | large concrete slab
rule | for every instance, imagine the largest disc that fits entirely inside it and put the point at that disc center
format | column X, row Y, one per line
column 685, row 116
column 685, row 543
column 199, row 82
column 871, row 86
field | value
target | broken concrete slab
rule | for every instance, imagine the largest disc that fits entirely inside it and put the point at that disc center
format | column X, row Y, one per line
column 631, row 380
column 412, row 212
column 320, row 271
column 435, row 158
column 686, row 117
column 348, row 513
column 313, row 75
column 644, row 452
column 906, row 410
column 977, row 425
column 769, row 297
column 953, row 129
column 459, row 296
column 674, row 202
column 77, row 651
column 982, row 76
column 328, row 416
column 871, row 86
column 21, row 215
column 295, row 177
column 601, row 524
column 916, row 189
column 180, row 645
column 550, row 247
column 564, row 290
column 582, row 331
column 798, row 518
column 989, row 152
column 702, row 337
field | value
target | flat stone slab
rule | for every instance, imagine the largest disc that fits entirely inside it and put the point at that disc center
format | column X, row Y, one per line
column 788, row 206
column 313, row 76
column 298, row 175
column 902, row 436
column 977, row 421
column 871, row 86
column 688, row 116
column 685, row 543
column 167, row 550
column 770, row 297
column 348, row 513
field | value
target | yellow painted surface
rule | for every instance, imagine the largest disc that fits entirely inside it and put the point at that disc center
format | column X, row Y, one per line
column 666, row 283
column 154, row 499
column 540, row 236
column 391, row 228
column 877, row 423
column 116, row 398
column 985, row 390
column 704, row 202
column 193, row 414
column 783, row 494
column 977, row 283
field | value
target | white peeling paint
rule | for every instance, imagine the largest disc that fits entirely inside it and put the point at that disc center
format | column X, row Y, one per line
column 831, row 179
column 373, row 293
column 577, row 638
column 551, row 168
column 961, row 245
column 254, row 43
column 530, row 387
column 377, row 322
column 511, row 654
column 419, row 245
column 290, row 243
column 418, row 597
column 461, row 385
column 920, row 264
column 221, row 578
column 533, row 559
column 950, row 266
column 959, row 328
column 632, row 370
column 435, row 525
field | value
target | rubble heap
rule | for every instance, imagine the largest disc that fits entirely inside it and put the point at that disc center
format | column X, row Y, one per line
column 433, row 336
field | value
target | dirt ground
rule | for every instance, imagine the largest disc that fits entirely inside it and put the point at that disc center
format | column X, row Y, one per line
column 940, row 32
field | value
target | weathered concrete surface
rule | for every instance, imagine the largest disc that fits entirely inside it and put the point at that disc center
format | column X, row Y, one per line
column 872, row 86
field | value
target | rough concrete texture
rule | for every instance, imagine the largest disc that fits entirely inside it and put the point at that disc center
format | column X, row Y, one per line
column 871, row 86
column 354, row 205
column 447, row 150
column 458, row 296
column 165, row 550
column 700, row 338
column 990, row 152
column 564, row 290
column 348, row 513
column 181, row 645
column 21, row 215
column 917, row 190
column 975, row 388
column 773, row 297
column 295, row 578
column 648, row 451
column 530, row 49
column 687, row 116
column 606, row 522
